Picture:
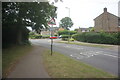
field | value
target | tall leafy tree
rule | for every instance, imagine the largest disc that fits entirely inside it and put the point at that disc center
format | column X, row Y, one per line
column 66, row 23
column 17, row 15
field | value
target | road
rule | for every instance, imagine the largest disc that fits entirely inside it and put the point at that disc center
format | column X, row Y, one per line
column 104, row 59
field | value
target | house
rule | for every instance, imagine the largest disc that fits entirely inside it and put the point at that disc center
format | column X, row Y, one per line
column 54, row 31
column 45, row 32
column 83, row 30
column 107, row 22
column 119, row 8
column 61, row 29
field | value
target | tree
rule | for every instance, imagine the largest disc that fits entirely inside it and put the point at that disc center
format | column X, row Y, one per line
column 92, row 29
column 76, row 30
column 66, row 23
column 17, row 15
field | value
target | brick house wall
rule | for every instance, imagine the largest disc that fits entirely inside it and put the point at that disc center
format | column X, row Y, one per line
column 106, row 22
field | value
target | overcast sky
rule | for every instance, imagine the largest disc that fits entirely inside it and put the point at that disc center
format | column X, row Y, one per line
column 82, row 12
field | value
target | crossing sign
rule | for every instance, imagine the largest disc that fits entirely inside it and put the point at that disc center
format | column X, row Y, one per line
column 52, row 22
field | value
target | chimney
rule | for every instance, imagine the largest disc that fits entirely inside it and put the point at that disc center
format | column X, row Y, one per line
column 105, row 9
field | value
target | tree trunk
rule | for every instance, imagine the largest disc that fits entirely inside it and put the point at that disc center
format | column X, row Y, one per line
column 19, row 37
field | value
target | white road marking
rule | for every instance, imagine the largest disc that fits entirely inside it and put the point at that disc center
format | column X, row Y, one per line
column 110, row 55
column 74, row 47
column 88, row 53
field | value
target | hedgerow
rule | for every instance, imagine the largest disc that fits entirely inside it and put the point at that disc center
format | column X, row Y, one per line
column 101, row 38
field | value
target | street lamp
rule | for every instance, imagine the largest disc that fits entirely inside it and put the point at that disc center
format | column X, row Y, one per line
column 69, row 17
column 68, row 10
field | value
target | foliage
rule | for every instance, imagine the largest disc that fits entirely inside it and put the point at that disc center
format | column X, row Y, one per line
column 34, row 14
column 92, row 29
column 35, row 36
column 31, row 33
column 45, row 36
column 76, row 29
column 66, row 32
column 102, row 38
column 66, row 23
column 17, row 15
column 71, row 39
column 65, row 36
column 56, row 35
column 65, row 39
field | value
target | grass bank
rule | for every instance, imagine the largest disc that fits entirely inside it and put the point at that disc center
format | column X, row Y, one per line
column 87, row 44
column 61, row 66
column 11, row 56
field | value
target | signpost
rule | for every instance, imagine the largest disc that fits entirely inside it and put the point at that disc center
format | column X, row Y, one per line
column 52, row 22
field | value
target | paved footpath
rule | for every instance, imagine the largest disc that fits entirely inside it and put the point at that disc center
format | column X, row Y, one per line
column 30, row 66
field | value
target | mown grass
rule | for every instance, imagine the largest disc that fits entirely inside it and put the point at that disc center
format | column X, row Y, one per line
column 61, row 66
column 11, row 56
column 86, row 44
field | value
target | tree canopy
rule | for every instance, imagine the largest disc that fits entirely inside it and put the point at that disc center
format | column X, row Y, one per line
column 16, row 16
column 34, row 14
column 66, row 23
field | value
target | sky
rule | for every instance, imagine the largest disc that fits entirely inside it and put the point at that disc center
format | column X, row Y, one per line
column 83, row 12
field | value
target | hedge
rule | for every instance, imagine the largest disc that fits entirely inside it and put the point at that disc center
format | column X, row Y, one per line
column 102, row 38
column 35, row 36
column 66, row 32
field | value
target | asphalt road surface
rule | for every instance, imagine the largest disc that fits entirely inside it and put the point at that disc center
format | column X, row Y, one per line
column 104, row 59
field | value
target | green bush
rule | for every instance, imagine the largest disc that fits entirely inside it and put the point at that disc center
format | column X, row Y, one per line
column 32, row 35
column 55, row 35
column 102, row 38
column 66, row 32
column 35, row 36
column 38, row 36
column 65, row 39
column 72, row 32
column 45, row 36
column 71, row 39
column 65, row 36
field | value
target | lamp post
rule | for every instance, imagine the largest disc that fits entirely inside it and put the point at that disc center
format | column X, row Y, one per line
column 68, row 10
column 69, row 17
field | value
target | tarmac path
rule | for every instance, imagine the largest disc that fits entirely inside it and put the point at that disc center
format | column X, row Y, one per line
column 30, row 66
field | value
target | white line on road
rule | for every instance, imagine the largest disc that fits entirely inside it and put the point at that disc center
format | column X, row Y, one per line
column 111, row 55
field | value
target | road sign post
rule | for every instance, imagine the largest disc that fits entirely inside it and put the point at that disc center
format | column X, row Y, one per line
column 52, row 22
column 51, row 42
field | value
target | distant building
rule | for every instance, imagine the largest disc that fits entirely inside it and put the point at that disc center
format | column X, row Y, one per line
column 119, row 9
column 48, row 31
column 107, row 22
column 61, row 29
column 83, row 30
column 45, row 32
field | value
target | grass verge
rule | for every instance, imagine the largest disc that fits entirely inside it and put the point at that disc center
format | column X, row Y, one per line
column 87, row 44
column 61, row 66
column 11, row 56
